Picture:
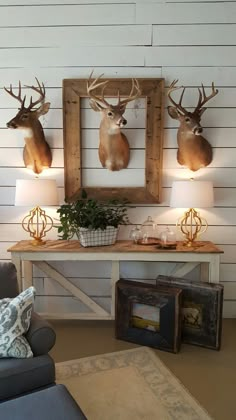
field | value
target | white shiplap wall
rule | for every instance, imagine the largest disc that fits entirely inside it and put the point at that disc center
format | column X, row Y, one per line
column 193, row 41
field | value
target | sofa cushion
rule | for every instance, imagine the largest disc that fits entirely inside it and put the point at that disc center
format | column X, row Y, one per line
column 54, row 403
column 18, row 376
column 15, row 316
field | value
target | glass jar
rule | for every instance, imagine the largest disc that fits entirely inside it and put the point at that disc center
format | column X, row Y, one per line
column 168, row 238
column 149, row 231
column 135, row 234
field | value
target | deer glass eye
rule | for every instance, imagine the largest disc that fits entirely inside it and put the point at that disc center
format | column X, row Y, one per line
column 110, row 114
column 187, row 119
column 24, row 117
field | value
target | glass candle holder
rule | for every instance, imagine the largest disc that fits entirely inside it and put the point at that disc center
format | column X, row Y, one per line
column 168, row 238
column 149, row 231
column 135, row 234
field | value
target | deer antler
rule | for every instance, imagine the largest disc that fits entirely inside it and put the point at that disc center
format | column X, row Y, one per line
column 17, row 97
column 41, row 90
column 172, row 88
column 92, row 85
column 135, row 88
column 203, row 98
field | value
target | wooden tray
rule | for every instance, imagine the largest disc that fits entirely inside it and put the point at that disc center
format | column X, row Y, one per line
column 150, row 241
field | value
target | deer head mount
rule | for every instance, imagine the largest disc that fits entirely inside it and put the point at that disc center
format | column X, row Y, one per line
column 194, row 151
column 37, row 154
column 114, row 153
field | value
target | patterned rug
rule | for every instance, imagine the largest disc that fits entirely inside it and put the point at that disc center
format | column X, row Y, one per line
column 130, row 384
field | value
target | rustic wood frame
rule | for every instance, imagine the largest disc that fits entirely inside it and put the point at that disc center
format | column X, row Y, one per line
column 153, row 91
column 208, row 297
column 168, row 300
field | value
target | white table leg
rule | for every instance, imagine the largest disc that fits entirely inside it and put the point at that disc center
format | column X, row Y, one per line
column 28, row 274
column 115, row 276
column 204, row 271
column 214, row 269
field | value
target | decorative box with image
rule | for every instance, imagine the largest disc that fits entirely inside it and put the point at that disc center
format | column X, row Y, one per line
column 201, row 310
column 148, row 315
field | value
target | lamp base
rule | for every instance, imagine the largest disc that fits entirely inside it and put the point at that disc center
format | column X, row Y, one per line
column 191, row 244
column 37, row 223
column 38, row 242
column 192, row 225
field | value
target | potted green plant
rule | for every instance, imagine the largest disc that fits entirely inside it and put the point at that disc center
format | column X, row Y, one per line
column 94, row 222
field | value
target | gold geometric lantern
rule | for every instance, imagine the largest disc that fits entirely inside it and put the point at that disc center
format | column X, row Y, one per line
column 37, row 192
column 190, row 194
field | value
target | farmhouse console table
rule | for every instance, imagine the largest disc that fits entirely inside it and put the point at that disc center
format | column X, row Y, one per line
column 24, row 255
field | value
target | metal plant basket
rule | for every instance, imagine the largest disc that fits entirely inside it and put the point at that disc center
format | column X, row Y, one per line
column 98, row 237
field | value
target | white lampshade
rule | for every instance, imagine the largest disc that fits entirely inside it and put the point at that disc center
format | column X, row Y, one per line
column 36, row 192
column 191, row 194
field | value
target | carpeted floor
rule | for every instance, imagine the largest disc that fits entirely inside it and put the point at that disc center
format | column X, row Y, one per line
column 210, row 376
column 130, row 384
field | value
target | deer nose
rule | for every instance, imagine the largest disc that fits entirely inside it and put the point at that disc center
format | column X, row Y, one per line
column 122, row 122
column 198, row 130
column 11, row 125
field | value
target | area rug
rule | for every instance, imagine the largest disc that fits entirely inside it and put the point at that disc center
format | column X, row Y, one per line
column 131, row 384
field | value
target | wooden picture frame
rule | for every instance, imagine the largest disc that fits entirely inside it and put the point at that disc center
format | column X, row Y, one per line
column 202, row 305
column 148, row 315
column 153, row 91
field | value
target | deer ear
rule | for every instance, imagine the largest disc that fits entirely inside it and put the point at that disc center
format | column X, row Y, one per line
column 202, row 110
column 95, row 105
column 173, row 112
column 43, row 109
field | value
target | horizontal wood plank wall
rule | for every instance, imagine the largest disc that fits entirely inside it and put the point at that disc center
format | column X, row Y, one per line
column 189, row 40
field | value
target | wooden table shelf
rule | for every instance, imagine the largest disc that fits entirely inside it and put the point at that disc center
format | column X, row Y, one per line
column 24, row 255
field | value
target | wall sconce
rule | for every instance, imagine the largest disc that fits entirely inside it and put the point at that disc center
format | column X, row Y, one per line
column 190, row 194
column 37, row 192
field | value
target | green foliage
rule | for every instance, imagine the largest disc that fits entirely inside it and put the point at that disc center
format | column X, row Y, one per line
column 91, row 214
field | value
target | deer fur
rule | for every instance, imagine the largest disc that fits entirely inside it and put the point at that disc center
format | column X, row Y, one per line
column 37, row 154
column 194, row 151
column 114, row 152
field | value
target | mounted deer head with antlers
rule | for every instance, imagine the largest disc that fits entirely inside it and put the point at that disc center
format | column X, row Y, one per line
column 37, row 154
column 194, row 150
column 114, row 153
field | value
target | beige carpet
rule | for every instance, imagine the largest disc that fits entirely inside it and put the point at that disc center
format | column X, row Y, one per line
column 130, row 384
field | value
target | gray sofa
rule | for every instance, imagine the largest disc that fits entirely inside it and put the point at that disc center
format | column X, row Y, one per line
column 53, row 403
column 19, row 376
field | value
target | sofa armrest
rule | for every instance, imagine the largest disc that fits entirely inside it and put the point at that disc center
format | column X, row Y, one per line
column 41, row 335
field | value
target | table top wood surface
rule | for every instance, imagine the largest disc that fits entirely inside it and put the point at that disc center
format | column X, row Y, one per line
column 120, row 246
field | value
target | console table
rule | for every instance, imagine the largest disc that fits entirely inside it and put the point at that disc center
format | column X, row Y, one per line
column 24, row 255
